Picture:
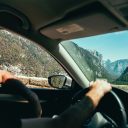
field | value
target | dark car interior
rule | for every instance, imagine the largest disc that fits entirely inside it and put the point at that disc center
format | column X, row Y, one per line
column 46, row 22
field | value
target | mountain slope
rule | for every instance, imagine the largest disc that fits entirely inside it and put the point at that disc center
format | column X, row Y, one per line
column 90, row 62
column 23, row 57
column 123, row 79
column 117, row 67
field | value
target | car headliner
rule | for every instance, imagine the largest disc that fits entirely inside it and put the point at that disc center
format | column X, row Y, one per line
column 46, row 16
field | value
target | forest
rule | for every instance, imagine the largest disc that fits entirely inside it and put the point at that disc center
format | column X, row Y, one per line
column 24, row 57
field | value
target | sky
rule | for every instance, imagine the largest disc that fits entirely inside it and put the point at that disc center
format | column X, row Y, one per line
column 113, row 46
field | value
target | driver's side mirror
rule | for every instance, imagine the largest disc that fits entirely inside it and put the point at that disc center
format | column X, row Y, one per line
column 60, row 81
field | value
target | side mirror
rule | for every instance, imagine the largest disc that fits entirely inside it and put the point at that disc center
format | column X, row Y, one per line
column 60, row 81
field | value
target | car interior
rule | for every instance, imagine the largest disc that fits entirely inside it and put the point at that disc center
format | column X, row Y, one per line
column 48, row 23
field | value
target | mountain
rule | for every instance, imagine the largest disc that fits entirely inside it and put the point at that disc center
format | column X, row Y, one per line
column 117, row 67
column 90, row 62
column 23, row 57
column 123, row 79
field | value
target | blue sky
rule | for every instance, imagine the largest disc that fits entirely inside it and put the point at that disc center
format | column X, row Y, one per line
column 112, row 46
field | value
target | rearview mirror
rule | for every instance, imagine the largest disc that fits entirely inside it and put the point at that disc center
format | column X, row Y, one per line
column 60, row 81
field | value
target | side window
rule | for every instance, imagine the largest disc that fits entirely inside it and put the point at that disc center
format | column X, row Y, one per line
column 27, row 60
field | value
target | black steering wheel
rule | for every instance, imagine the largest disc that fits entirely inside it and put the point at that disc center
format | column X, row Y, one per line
column 13, row 86
column 111, row 108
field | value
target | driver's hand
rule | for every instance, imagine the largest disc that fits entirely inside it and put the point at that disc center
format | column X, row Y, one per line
column 97, row 90
column 5, row 75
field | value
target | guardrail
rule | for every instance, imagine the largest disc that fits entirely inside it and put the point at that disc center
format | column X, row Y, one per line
column 34, row 82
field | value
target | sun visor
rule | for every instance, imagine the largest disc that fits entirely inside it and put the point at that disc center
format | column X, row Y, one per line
column 89, row 20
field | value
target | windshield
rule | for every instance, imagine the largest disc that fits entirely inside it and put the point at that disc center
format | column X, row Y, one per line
column 102, row 56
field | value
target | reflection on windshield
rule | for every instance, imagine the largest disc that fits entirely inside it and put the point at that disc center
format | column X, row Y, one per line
column 102, row 57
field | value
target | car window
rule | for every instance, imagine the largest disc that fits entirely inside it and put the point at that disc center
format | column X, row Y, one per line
column 102, row 57
column 27, row 60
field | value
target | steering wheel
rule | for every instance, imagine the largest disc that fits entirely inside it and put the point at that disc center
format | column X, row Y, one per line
column 14, row 86
column 108, row 105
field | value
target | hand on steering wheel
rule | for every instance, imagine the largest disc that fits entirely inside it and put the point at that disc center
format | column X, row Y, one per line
column 109, row 104
column 15, row 86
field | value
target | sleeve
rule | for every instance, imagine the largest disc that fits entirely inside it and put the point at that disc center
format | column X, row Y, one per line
column 73, row 117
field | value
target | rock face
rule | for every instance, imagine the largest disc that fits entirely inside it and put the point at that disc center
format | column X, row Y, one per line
column 34, row 82
column 116, row 67
column 90, row 62
column 23, row 57
column 123, row 79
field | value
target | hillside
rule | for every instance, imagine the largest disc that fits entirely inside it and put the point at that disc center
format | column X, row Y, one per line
column 117, row 67
column 22, row 57
column 90, row 62
column 123, row 79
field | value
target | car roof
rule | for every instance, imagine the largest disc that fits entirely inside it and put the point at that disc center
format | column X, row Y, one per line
column 64, row 19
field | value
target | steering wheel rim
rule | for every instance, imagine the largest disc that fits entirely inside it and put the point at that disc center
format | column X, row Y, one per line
column 15, row 86
column 122, row 123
